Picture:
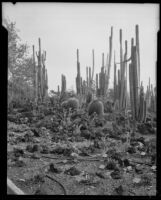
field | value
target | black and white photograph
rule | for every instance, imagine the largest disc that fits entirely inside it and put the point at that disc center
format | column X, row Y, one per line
column 81, row 98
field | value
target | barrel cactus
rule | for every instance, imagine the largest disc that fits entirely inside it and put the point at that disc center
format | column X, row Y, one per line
column 72, row 103
column 96, row 106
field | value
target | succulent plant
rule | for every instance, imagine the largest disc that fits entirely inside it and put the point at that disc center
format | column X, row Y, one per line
column 96, row 106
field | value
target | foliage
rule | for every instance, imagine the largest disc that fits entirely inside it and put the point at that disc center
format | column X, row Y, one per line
column 20, row 68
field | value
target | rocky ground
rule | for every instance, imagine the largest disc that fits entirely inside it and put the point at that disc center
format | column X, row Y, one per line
column 53, row 152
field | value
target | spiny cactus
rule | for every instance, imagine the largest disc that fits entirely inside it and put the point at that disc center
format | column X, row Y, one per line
column 72, row 103
column 78, row 78
column 39, row 71
column 35, row 75
column 96, row 106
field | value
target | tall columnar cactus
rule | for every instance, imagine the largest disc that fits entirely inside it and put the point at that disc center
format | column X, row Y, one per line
column 100, row 84
column 39, row 72
column 123, row 81
column 138, row 51
column 131, row 90
column 119, row 85
column 90, row 76
column 84, row 87
column 35, row 75
column 121, row 70
column 141, row 105
column 87, row 77
column 92, row 64
column 81, row 85
column 43, row 75
column 58, row 90
column 121, row 54
column 78, row 78
column 63, row 84
column 103, row 60
column 102, row 81
column 97, row 85
column 115, row 84
column 135, row 80
column 46, row 83
column 107, row 78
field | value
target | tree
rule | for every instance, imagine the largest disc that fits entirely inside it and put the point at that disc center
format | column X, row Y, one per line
column 20, row 66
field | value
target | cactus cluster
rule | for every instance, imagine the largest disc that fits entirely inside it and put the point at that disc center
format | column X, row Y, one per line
column 102, row 78
column 40, row 75
column 151, row 97
column 138, row 102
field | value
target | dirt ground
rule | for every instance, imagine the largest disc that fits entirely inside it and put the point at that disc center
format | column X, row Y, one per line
column 77, row 155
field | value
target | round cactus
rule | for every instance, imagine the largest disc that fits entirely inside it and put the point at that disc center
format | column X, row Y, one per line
column 72, row 103
column 96, row 106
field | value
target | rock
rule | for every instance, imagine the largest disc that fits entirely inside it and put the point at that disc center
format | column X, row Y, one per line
column 41, row 191
column 36, row 148
column 96, row 106
column 20, row 163
column 102, row 167
column 36, row 140
column 116, row 174
column 74, row 155
column 153, row 158
column 37, row 178
column 100, row 174
column 54, row 169
column 145, row 180
column 18, row 152
column 136, row 180
column 86, row 134
column 29, row 148
column 120, row 190
column 141, row 139
column 108, row 174
column 104, row 155
column 154, row 168
column 140, row 144
column 36, row 132
column 44, row 149
column 131, row 150
column 142, row 153
column 97, row 144
column 111, row 165
column 35, row 156
column 129, row 168
column 73, row 171
column 138, row 169
column 126, row 162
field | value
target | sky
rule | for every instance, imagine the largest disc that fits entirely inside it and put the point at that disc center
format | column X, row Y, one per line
column 64, row 27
